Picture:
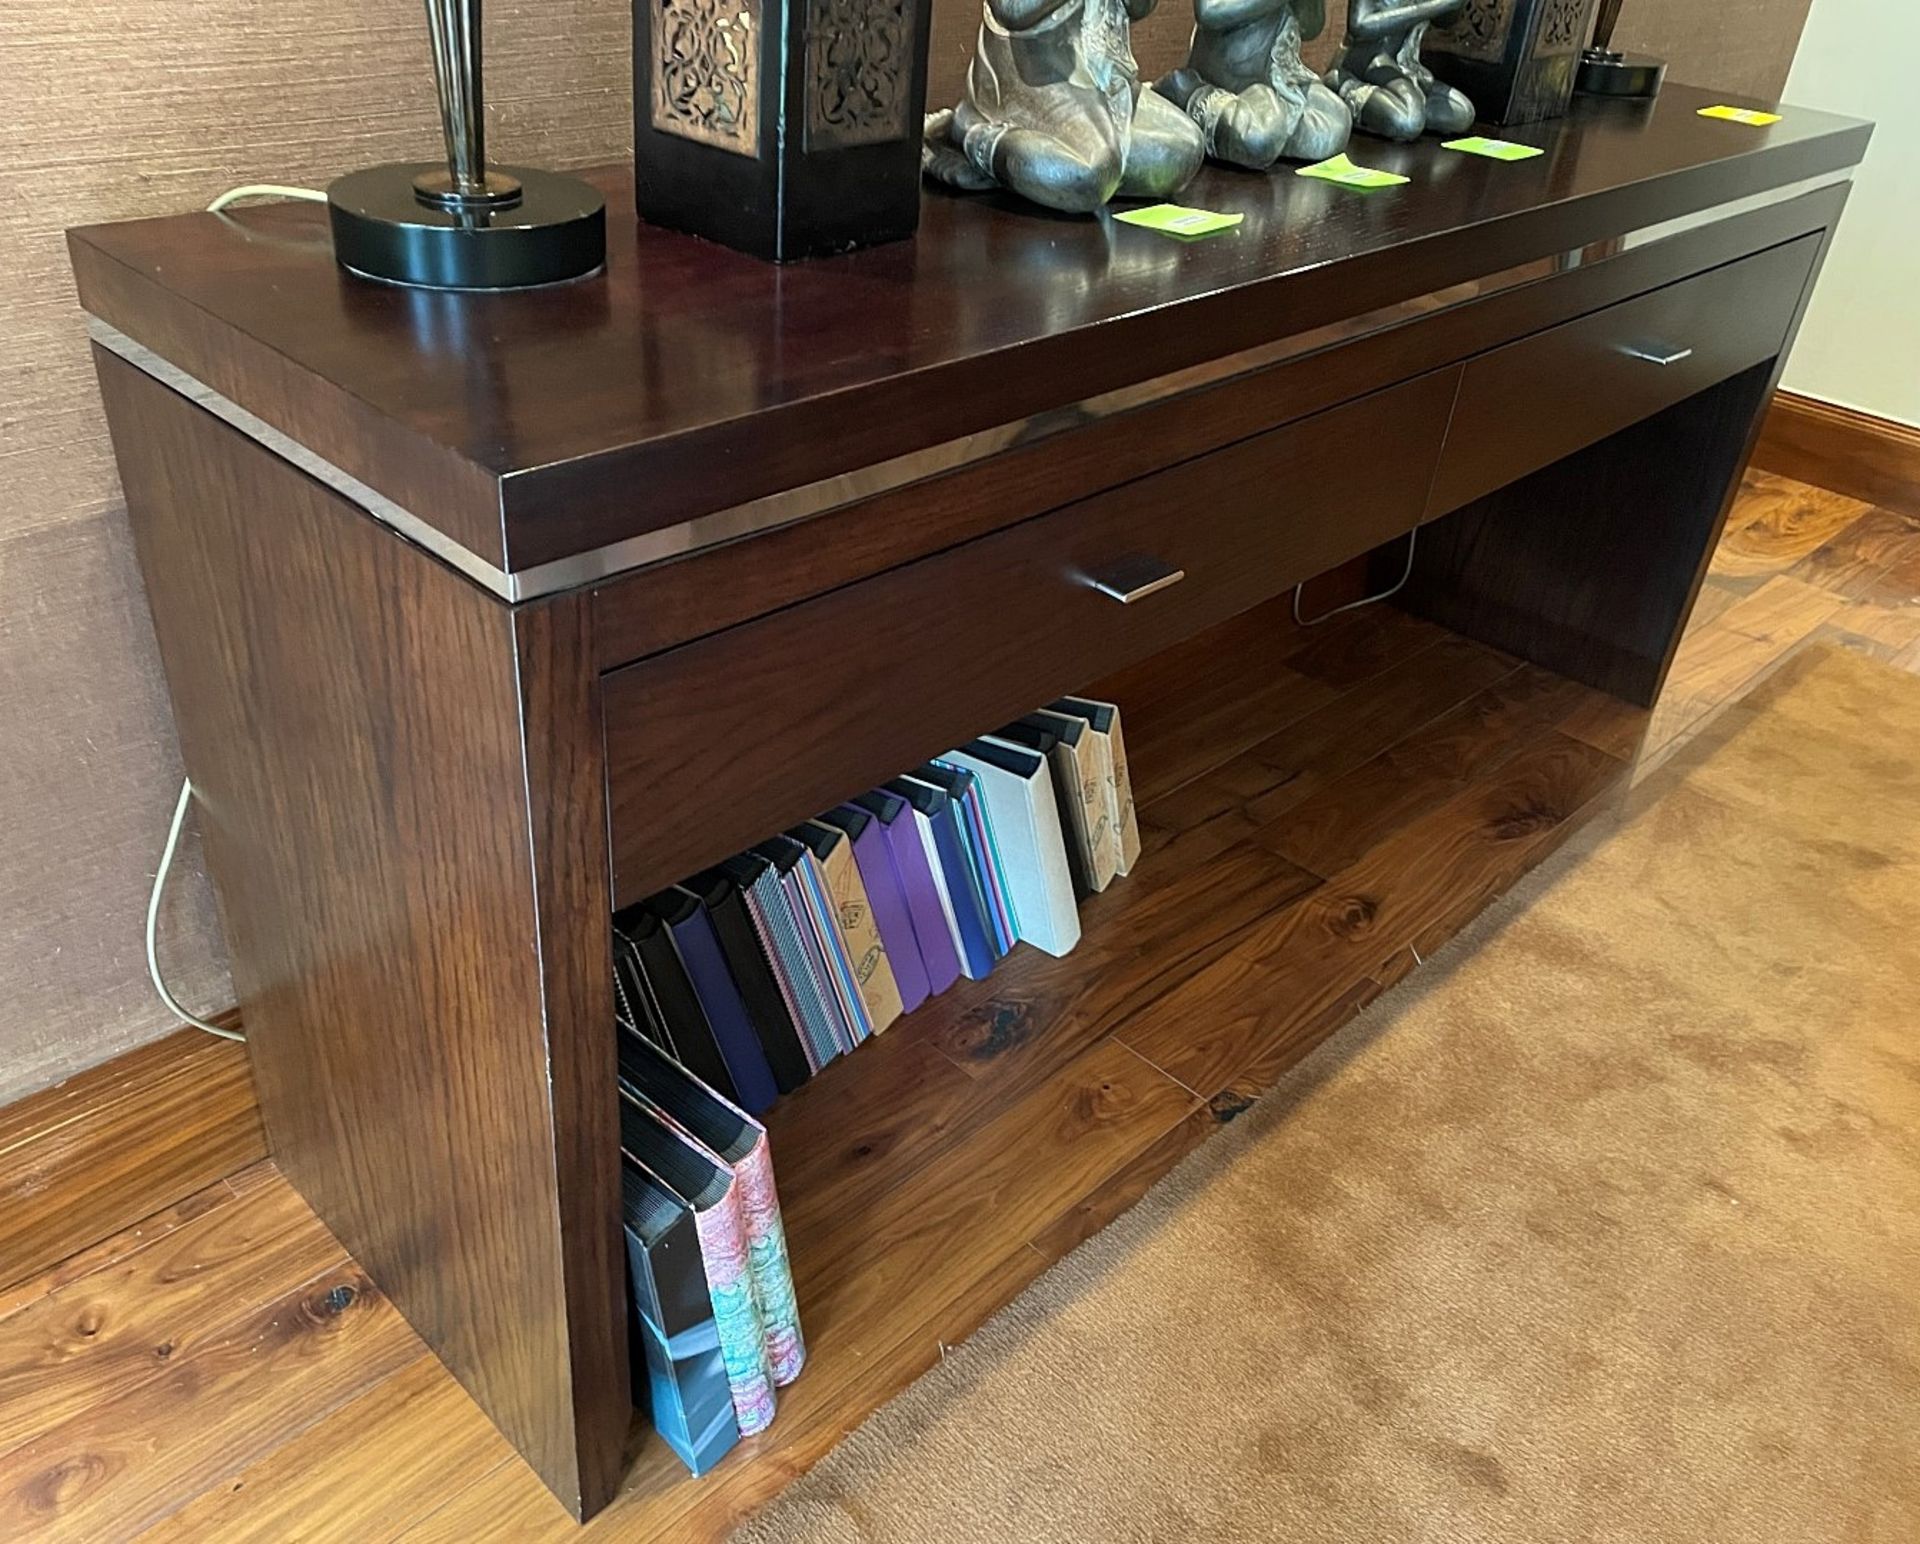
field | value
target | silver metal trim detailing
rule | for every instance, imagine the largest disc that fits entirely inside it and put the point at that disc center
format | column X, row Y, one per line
column 1648, row 234
column 804, row 503
column 315, row 466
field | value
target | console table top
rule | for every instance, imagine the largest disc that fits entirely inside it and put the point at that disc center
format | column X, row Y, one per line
column 687, row 379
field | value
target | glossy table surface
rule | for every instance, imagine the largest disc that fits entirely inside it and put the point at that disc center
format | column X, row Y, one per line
column 687, row 378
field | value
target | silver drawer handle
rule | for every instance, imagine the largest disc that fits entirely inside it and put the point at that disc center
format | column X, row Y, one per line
column 1656, row 353
column 1135, row 578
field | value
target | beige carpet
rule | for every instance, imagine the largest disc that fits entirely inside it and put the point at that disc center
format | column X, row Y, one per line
column 1605, row 1227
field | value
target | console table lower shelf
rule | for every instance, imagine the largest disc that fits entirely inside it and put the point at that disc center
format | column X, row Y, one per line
column 1332, row 800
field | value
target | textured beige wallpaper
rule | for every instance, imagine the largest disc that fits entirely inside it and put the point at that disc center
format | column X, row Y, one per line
column 112, row 110
column 145, row 107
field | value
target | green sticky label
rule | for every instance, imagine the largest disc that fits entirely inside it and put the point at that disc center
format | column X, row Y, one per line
column 1178, row 220
column 1493, row 149
column 1746, row 115
column 1339, row 169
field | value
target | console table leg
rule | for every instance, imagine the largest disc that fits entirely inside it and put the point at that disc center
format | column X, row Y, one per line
column 402, row 804
column 1590, row 566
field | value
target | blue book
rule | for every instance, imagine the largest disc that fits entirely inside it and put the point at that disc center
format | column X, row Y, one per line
column 677, row 1337
column 790, row 862
column 833, row 944
column 712, row 1192
column 719, row 997
column 959, row 883
column 964, row 791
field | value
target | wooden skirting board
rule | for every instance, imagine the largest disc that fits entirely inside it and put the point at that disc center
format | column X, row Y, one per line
column 1849, row 452
column 119, row 1142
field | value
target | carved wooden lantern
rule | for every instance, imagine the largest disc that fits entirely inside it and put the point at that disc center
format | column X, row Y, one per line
column 1515, row 58
column 785, row 128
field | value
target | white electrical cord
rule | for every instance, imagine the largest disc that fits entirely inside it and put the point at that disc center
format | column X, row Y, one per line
column 153, row 920
column 1399, row 584
column 265, row 190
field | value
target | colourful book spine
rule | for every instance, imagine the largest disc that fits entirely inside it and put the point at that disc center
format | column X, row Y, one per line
column 933, row 935
column 942, row 829
column 888, row 904
column 1006, row 927
column 1009, row 913
column 723, row 1245
column 767, row 1258
column 728, row 1141
column 833, row 951
column 775, row 945
column 825, row 1024
column 855, row 923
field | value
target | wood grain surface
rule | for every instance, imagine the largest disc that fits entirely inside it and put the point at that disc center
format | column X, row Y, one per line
column 120, row 1142
column 1001, row 623
column 1041, row 1094
column 1855, row 453
column 1706, row 328
column 404, row 795
column 589, row 431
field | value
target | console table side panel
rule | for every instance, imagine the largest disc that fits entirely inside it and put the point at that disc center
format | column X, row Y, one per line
column 350, row 714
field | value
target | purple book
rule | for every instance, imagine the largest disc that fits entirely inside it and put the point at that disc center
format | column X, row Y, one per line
column 917, row 888
column 874, row 858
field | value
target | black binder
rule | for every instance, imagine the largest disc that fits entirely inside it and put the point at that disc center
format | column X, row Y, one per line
column 678, row 1023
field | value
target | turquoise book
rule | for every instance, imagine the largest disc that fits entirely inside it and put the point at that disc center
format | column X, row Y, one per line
column 677, row 1338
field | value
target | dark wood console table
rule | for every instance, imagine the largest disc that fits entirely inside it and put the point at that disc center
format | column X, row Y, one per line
column 484, row 616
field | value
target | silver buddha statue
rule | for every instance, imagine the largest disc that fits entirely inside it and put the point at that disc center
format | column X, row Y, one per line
column 1245, row 86
column 1054, row 111
column 1380, row 77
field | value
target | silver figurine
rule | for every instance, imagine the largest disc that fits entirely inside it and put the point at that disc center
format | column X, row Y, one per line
column 1054, row 110
column 1245, row 86
column 1381, row 78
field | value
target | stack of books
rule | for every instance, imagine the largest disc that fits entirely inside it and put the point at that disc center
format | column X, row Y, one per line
column 763, row 969
column 717, row 1329
column 740, row 983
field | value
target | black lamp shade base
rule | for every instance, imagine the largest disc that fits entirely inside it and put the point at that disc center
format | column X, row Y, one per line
column 1606, row 73
column 385, row 228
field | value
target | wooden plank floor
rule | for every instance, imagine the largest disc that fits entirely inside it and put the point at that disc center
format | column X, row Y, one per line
column 80, row 1161
column 1321, row 811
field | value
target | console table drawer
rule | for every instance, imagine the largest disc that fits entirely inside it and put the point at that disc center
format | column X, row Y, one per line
column 1534, row 401
column 712, row 745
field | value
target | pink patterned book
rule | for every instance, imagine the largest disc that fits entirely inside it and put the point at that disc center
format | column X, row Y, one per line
column 735, row 1139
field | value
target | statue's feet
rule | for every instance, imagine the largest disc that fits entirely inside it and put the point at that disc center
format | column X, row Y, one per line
column 1164, row 151
column 1301, row 120
column 1448, row 111
column 1396, row 110
column 1324, row 128
column 942, row 159
column 1247, row 128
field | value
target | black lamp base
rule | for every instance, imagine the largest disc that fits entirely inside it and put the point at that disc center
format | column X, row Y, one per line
column 398, row 224
column 1606, row 73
